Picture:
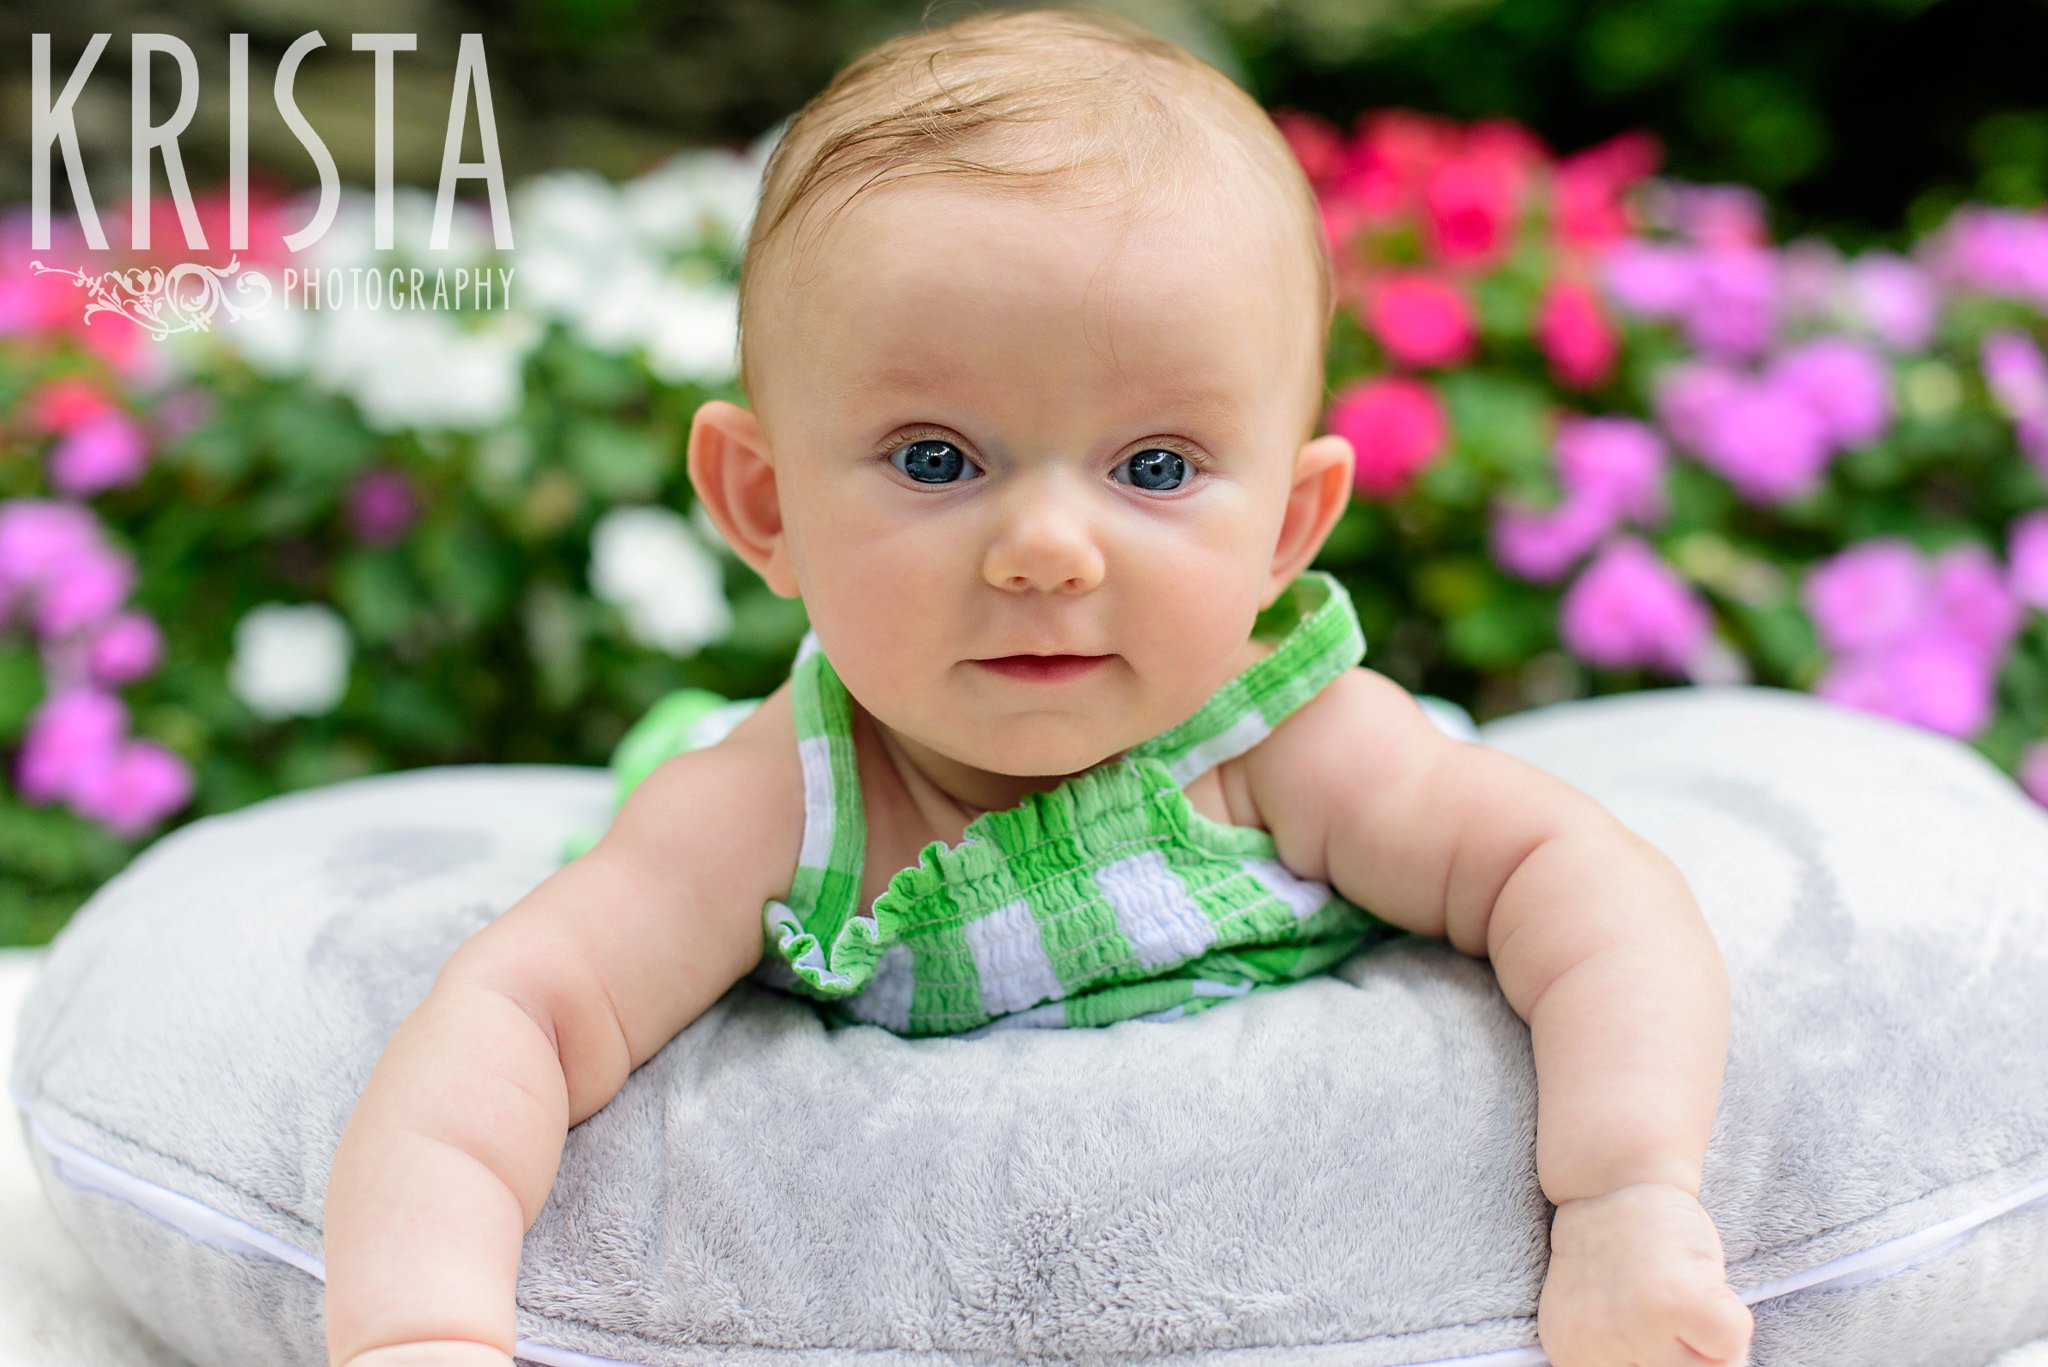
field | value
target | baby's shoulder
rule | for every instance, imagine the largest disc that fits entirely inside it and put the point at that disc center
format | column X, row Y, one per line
column 1293, row 777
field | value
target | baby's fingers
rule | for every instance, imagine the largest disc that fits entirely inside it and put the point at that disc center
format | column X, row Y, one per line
column 1717, row 1328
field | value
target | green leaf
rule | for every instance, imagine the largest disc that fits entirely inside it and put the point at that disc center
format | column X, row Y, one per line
column 617, row 462
column 377, row 593
column 21, row 689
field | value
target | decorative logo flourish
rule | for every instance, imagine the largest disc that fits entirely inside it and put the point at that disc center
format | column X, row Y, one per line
column 182, row 299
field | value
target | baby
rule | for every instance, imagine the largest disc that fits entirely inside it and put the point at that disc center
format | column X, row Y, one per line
column 1033, row 310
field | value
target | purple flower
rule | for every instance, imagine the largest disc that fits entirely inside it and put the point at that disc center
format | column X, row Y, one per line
column 1868, row 596
column 105, row 452
column 1733, row 311
column 1996, row 251
column 2027, row 556
column 2016, row 373
column 124, row 648
column 2034, row 771
column 1810, row 279
column 381, row 506
column 1541, row 544
column 71, row 737
column 1929, row 680
column 2033, row 434
column 1689, row 394
column 142, row 784
column 1894, row 298
column 1843, row 382
column 1615, row 460
column 39, row 535
column 1973, row 604
column 1767, row 442
column 83, row 590
column 1649, row 279
column 1629, row 609
column 1715, row 215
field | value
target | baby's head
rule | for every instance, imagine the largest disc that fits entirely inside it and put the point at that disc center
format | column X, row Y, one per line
column 1032, row 324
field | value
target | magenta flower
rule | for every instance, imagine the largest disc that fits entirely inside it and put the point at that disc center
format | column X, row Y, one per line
column 1810, row 280
column 381, row 507
column 1628, row 609
column 64, row 404
column 2027, row 558
column 1540, row 545
column 1868, row 596
column 1996, row 251
column 1765, row 441
column 1845, row 385
column 1575, row 336
column 1395, row 425
column 1973, row 604
column 37, row 536
column 1894, row 298
column 71, row 736
column 1649, row 279
column 125, row 647
column 2034, row 771
column 1928, row 679
column 2016, row 373
column 83, row 590
column 1616, row 460
column 1733, row 311
column 138, row 787
column 105, row 452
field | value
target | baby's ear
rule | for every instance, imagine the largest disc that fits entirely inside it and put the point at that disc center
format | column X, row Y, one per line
column 1320, row 492
column 734, row 476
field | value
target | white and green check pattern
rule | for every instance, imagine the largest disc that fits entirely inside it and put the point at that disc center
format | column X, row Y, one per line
column 1105, row 899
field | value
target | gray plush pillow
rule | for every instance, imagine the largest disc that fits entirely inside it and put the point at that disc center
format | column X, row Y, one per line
column 1342, row 1172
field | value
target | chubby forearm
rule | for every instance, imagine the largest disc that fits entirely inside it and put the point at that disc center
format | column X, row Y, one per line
column 446, row 1161
column 1599, row 945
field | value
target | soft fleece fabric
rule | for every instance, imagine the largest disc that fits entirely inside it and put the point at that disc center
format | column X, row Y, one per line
column 1341, row 1172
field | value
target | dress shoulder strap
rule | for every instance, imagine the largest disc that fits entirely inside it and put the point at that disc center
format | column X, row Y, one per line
column 824, row 891
column 1318, row 638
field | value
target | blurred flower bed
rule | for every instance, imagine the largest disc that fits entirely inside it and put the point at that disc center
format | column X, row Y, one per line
column 1610, row 437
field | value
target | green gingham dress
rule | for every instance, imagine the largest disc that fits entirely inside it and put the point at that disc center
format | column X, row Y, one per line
column 1107, row 898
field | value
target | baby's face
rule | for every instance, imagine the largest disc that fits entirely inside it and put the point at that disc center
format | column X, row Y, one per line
column 999, row 430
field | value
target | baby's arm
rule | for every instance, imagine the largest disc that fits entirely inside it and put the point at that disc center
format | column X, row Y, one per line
column 531, row 1026
column 1597, row 943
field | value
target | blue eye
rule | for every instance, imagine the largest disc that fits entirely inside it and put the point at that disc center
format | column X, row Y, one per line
column 1158, row 470
column 930, row 461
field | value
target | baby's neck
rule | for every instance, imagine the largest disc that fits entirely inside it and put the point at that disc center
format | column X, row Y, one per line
column 943, row 791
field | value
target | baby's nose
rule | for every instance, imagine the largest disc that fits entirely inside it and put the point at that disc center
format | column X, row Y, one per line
column 1044, row 543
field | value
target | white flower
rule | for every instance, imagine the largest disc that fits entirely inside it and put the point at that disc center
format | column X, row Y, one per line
column 290, row 660
column 693, row 332
column 419, row 370
column 646, row 561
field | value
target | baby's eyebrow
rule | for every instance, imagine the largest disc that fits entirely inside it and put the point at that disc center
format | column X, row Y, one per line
column 1205, row 403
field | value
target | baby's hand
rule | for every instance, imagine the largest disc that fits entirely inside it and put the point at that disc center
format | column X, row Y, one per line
column 1638, row 1279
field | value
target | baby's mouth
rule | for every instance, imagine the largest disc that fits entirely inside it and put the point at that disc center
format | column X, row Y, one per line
column 1045, row 668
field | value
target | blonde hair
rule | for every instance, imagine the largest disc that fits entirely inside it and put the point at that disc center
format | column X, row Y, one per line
column 1069, row 102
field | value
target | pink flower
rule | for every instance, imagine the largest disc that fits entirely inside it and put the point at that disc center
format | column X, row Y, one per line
column 1894, row 298
column 1809, row 280
column 1470, row 203
column 381, row 506
column 2027, row 555
column 71, row 736
column 1845, row 385
column 1717, row 215
column 1628, row 610
column 1395, row 426
column 101, row 453
column 1928, row 679
column 1733, row 311
column 1766, row 442
column 124, row 648
column 1540, row 545
column 1973, row 604
column 2034, row 771
column 63, row 404
column 1316, row 144
column 1996, row 251
column 86, row 588
column 1589, row 186
column 138, row 787
column 1576, row 336
column 1868, row 596
column 1618, row 461
column 1649, row 279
